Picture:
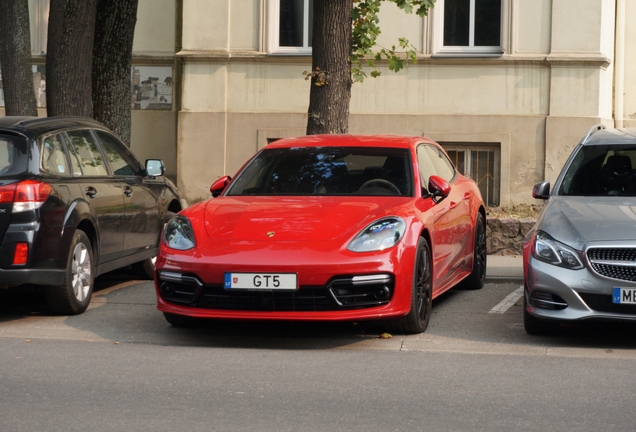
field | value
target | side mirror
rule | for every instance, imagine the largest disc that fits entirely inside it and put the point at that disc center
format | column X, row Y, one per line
column 541, row 190
column 154, row 167
column 438, row 187
column 218, row 187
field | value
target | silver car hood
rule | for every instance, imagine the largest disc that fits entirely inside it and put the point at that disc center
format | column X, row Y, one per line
column 577, row 221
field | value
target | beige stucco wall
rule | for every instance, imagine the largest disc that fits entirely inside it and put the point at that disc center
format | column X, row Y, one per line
column 245, row 20
column 576, row 25
column 395, row 24
column 630, row 65
column 206, row 24
column 154, row 136
column 155, row 31
column 532, row 26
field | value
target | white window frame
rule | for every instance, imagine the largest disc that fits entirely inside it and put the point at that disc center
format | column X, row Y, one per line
column 471, row 50
column 274, row 31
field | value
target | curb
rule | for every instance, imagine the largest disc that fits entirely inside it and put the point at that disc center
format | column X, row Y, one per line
column 504, row 279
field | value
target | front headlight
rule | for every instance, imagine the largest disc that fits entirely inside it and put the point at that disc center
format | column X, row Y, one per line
column 178, row 233
column 549, row 250
column 381, row 234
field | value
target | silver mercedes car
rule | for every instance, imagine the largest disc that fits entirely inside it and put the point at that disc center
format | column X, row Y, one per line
column 579, row 259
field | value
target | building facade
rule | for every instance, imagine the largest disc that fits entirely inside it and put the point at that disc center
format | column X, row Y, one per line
column 507, row 86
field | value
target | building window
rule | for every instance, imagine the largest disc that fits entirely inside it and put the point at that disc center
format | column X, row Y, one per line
column 480, row 162
column 469, row 26
column 291, row 26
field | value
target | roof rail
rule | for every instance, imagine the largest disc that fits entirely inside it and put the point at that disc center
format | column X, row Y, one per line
column 593, row 129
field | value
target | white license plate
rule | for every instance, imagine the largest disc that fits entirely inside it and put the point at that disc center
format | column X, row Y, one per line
column 624, row 295
column 261, row 281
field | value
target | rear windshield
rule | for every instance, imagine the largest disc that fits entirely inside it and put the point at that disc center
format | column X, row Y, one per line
column 327, row 171
column 13, row 157
column 601, row 170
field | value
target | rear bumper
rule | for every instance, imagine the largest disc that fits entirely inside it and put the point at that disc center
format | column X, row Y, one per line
column 31, row 276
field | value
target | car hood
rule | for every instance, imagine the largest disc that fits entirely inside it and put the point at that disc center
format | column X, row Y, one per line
column 579, row 220
column 294, row 218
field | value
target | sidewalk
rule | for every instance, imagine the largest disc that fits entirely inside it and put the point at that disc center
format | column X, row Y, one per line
column 504, row 268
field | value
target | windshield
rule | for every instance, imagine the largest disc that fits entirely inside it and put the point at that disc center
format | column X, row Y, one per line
column 602, row 170
column 13, row 158
column 326, row 171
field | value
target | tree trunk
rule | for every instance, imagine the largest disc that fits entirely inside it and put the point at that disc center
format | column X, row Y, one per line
column 112, row 63
column 15, row 58
column 69, row 57
column 330, row 92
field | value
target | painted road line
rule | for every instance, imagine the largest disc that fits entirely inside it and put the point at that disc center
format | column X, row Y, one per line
column 506, row 303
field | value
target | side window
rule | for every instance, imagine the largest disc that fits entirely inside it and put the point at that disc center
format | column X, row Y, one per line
column 53, row 156
column 469, row 26
column 121, row 159
column 291, row 26
column 90, row 158
column 13, row 156
column 433, row 161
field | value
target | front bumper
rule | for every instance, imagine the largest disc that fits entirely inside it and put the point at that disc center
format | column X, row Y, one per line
column 584, row 293
column 192, row 285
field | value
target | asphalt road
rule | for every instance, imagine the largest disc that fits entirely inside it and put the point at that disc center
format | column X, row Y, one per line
column 120, row 366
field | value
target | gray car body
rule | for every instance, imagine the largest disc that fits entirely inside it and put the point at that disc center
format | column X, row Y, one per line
column 582, row 223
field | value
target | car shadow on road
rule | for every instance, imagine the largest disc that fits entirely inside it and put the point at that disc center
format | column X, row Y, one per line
column 123, row 310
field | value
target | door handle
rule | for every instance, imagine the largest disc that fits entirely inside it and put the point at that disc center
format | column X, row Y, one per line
column 467, row 195
column 91, row 192
column 128, row 191
column 452, row 204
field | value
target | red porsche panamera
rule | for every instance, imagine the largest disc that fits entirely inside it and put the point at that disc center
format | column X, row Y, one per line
column 327, row 227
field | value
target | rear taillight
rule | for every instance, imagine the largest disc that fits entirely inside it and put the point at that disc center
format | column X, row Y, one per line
column 26, row 195
column 7, row 193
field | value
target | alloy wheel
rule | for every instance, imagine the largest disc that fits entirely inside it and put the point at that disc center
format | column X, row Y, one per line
column 423, row 284
column 81, row 272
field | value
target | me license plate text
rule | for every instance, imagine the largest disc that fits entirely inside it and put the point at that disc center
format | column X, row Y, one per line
column 261, row 281
column 624, row 295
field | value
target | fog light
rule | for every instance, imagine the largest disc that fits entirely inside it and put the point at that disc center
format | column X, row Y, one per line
column 166, row 289
column 382, row 293
column 21, row 253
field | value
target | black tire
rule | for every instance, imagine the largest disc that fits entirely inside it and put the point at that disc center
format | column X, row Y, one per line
column 537, row 326
column 73, row 296
column 477, row 277
column 180, row 320
column 146, row 268
column 416, row 321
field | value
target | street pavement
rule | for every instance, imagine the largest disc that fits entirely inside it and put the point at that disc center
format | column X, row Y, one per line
column 120, row 366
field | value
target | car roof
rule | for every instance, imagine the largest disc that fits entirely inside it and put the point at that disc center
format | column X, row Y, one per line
column 603, row 136
column 35, row 126
column 349, row 140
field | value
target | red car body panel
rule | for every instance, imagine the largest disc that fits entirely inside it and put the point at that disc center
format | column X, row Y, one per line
column 311, row 234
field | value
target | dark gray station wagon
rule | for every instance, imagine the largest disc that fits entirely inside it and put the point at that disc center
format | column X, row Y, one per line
column 75, row 203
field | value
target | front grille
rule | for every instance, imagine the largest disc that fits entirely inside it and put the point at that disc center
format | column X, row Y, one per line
column 615, row 263
column 339, row 294
column 306, row 299
column 612, row 254
column 603, row 303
